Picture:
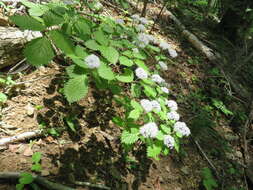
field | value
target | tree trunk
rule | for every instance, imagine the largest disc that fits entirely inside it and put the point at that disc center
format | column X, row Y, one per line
column 12, row 41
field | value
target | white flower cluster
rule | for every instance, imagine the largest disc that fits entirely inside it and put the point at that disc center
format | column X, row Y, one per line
column 136, row 18
column 143, row 20
column 173, row 115
column 156, row 78
column 149, row 130
column 141, row 73
column 98, row 5
column 165, row 46
column 143, row 40
column 92, row 61
column 135, row 50
column 120, row 21
column 169, row 141
column 172, row 105
column 148, row 105
column 172, row 53
column 181, row 127
column 140, row 28
column 165, row 90
column 163, row 66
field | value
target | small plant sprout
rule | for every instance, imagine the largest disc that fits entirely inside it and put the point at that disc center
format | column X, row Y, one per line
column 141, row 73
column 163, row 66
column 165, row 90
column 146, row 105
column 173, row 115
column 149, row 130
column 156, row 78
column 169, row 141
column 92, row 61
column 172, row 105
column 181, row 127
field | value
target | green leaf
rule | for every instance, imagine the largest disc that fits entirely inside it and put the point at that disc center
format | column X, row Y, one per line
column 135, row 90
column 154, row 150
column 110, row 53
column 125, row 61
column 62, row 41
column 105, row 72
column 101, row 38
column 75, row 89
column 127, row 76
column 3, row 97
column 136, row 105
column 26, row 178
column 166, row 129
column 27, row 23
column 20, row 186
column 127, row 53
column 35, row 9
column 140, row 55
column 92, row 44
column 36, row 167
column 134, row 114
column 80, row 52
column 141, row 64
column 118, row 121
column 160, row 136
column 115, row 88
column 209, row 181
column 149, row 91
column 51, row 18
column 129, row 138
column 39, row 51
column 82, row 27
column 70, row 122
column 36, row 157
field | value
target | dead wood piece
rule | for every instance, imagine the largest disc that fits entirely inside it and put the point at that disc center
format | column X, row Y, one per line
column 22, row 136
column 12, row 41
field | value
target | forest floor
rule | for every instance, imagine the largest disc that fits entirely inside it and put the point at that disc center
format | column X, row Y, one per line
column 94, row 154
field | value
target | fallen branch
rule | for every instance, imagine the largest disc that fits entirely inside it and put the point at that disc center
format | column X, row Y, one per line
column 83, row 183
column 20, row 137
column 40, row 180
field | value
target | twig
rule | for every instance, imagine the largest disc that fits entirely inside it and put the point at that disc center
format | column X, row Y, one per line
column 205, row 156
column 100, row 186
column 158, row 16
column 22, row 136
column 40, row 180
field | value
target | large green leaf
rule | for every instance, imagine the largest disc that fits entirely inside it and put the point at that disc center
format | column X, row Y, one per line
column 134, row 114
column 135, row 90
column 27, row 23
column 26, row 178
column 129, row 138
column 154, row 150
column 62, row 41
column 101, row 38
column 105, row 72
column 75, row 71
column 110, row 53
column 92, row 44
column 125, row 61
column 39, row 51
column 76, row 88
column 51, row 18
column 127, row 76
column 149, row 91
column 82, row 27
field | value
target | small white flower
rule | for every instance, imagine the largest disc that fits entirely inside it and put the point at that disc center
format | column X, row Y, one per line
column 164, row 45
column 119, row 21
column 141, row 73
column 92, row 61
column 135, row 17
column 181, row 127
column 165, row 90
column 169, row 141
column 157, row 78
column 172, row 53
column 135, row 50
column 173, row 115
column 143, row 40
column 149, row 130
column 143, row 20
column 163, row 66
column 140, row 28
column 146, row 105
column 172, row 105
column 156, row 106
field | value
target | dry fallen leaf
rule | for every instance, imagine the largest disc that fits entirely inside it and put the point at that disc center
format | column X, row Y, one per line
column 28, row 151
column 14, row 147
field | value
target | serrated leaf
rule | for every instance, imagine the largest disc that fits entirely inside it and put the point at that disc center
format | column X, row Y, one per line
column 149, row 91
column 125, row 61
column 136, row 105
column 62, row 41
column 127, row 76
column 76, row 88
column 129, row 138
column 51, row 18
column 153, row 151
column 105, row 72
column 141, row 55
column 128, row 53
column 118, row 121
column 160, row 136
column 80, row 52
column 110, row 53
column 101, row 38
column 92, row 44
column 141, row 64
column 134, row 114
column 36, row 157
column 82, row 27
column 26, row 178
column 135, row 90
column 75, row 71
column 39, row 51
column 166, row 129
column 27, row 23
column 3, row 97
